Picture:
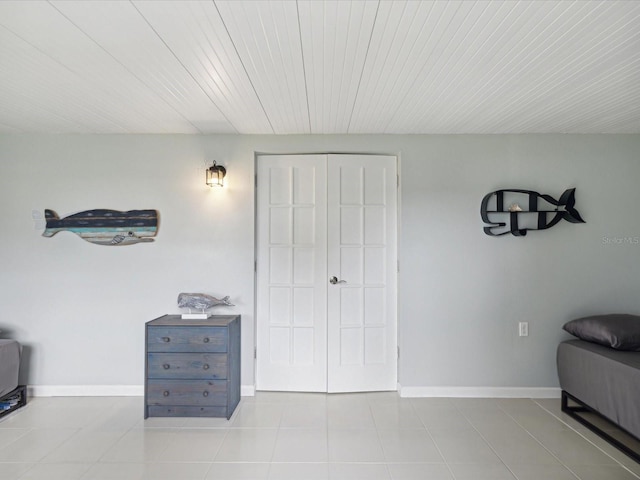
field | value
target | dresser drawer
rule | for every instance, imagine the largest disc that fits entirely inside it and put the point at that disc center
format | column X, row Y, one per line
column 211, row 393
column 185, row 366
column 181, row 411
column 187, row 339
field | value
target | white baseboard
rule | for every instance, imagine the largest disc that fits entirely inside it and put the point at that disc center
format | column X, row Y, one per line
column 250, row 391
column 85, row 390
column 480, row 392
column 103, row 390
column 247, row 390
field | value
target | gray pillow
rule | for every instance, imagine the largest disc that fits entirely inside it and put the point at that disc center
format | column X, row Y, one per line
column 619, row 331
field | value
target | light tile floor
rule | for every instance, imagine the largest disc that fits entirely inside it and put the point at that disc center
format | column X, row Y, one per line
column 282, row 436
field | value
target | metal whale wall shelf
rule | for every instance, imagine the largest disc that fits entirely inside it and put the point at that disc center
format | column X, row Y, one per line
column 544, row 217
column 105, row 227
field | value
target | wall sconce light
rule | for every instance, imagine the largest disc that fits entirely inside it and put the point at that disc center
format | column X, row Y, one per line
column 215, row 175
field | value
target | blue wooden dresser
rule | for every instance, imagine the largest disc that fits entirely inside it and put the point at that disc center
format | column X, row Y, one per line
column 192, row 367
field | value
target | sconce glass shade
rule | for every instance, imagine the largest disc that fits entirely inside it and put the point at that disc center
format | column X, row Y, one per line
column 215, row 175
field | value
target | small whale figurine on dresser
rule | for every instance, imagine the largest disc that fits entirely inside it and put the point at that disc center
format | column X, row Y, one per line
column 201, row 301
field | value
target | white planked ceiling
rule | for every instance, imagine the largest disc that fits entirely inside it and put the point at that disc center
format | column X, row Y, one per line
column 294, row 67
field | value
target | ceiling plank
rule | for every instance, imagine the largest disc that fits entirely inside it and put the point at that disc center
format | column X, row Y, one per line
column 38, row 94
column 105, row 85
column 266, row 36
column 151, row 63
column 335, row 40
column 197, row 37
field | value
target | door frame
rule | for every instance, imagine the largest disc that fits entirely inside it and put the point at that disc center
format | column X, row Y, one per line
column 256, row 321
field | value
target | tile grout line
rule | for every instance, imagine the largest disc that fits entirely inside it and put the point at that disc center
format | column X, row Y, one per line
column 384, row 454
column 585, row 438
column 326, row 436
column 538, row 441
column 453, row 476
column 226, row 434
column 484, row 439
column 275, row 443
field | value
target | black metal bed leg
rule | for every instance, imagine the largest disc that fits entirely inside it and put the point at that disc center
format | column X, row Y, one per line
column 583, row 407
column 21, row 392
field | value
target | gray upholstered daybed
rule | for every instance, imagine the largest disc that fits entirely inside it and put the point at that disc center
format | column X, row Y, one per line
column 600, row 371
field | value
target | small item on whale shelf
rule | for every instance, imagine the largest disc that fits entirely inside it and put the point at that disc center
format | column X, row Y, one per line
column 514, row 207
column 202, row 302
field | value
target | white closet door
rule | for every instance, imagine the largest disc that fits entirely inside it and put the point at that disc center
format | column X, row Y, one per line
column 362, row 255
column 291, row 276
column 318, row 217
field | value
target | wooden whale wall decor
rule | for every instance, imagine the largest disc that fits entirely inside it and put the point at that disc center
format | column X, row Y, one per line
column 105, row 227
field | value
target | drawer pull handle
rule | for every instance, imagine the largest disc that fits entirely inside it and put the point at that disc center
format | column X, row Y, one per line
column 206, row 340
column 206, row 366
column 166, row 366
column 205, row 394
column 166, row 339
column 165, row 393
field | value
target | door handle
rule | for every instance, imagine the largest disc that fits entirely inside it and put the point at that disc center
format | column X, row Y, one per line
column 333, row 280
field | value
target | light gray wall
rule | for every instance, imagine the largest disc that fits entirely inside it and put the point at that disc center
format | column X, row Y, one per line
column 80, row 308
